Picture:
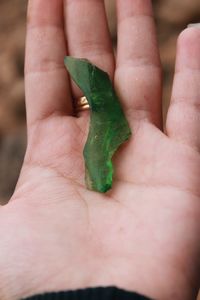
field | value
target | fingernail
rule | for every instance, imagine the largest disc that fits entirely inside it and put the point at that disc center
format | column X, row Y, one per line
column 194, row 25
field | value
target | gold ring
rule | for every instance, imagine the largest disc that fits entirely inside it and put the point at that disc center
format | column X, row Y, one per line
column 82, row 104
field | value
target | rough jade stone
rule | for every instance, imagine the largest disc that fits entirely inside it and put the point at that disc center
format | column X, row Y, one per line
column 108, row 125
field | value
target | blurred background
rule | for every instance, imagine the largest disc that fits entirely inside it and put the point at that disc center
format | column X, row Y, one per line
column 172, row 16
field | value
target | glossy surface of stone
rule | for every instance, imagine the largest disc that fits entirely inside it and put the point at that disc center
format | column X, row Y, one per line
column 108, row 125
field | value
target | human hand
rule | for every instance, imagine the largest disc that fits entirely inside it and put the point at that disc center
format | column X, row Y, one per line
column 143, row 235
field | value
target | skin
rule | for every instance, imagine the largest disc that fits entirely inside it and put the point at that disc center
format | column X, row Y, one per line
column 142, row 236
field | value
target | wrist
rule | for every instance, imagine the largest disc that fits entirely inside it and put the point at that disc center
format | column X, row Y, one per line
column 157, row 281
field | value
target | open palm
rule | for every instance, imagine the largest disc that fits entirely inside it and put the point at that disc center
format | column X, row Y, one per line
column 144, row 234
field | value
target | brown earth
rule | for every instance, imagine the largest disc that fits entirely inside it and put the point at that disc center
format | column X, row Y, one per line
column 172, row 17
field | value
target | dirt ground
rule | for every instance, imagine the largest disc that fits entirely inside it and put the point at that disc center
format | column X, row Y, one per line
column 172, row 17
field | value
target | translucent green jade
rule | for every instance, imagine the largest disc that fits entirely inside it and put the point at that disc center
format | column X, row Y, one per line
column 108, row 125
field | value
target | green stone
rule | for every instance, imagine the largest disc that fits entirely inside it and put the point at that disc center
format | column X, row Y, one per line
column 108, row 125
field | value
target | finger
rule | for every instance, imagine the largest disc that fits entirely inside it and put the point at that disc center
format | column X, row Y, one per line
column 183, row 120
column 47, row 90
column 88, row 35
column 138, row 72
